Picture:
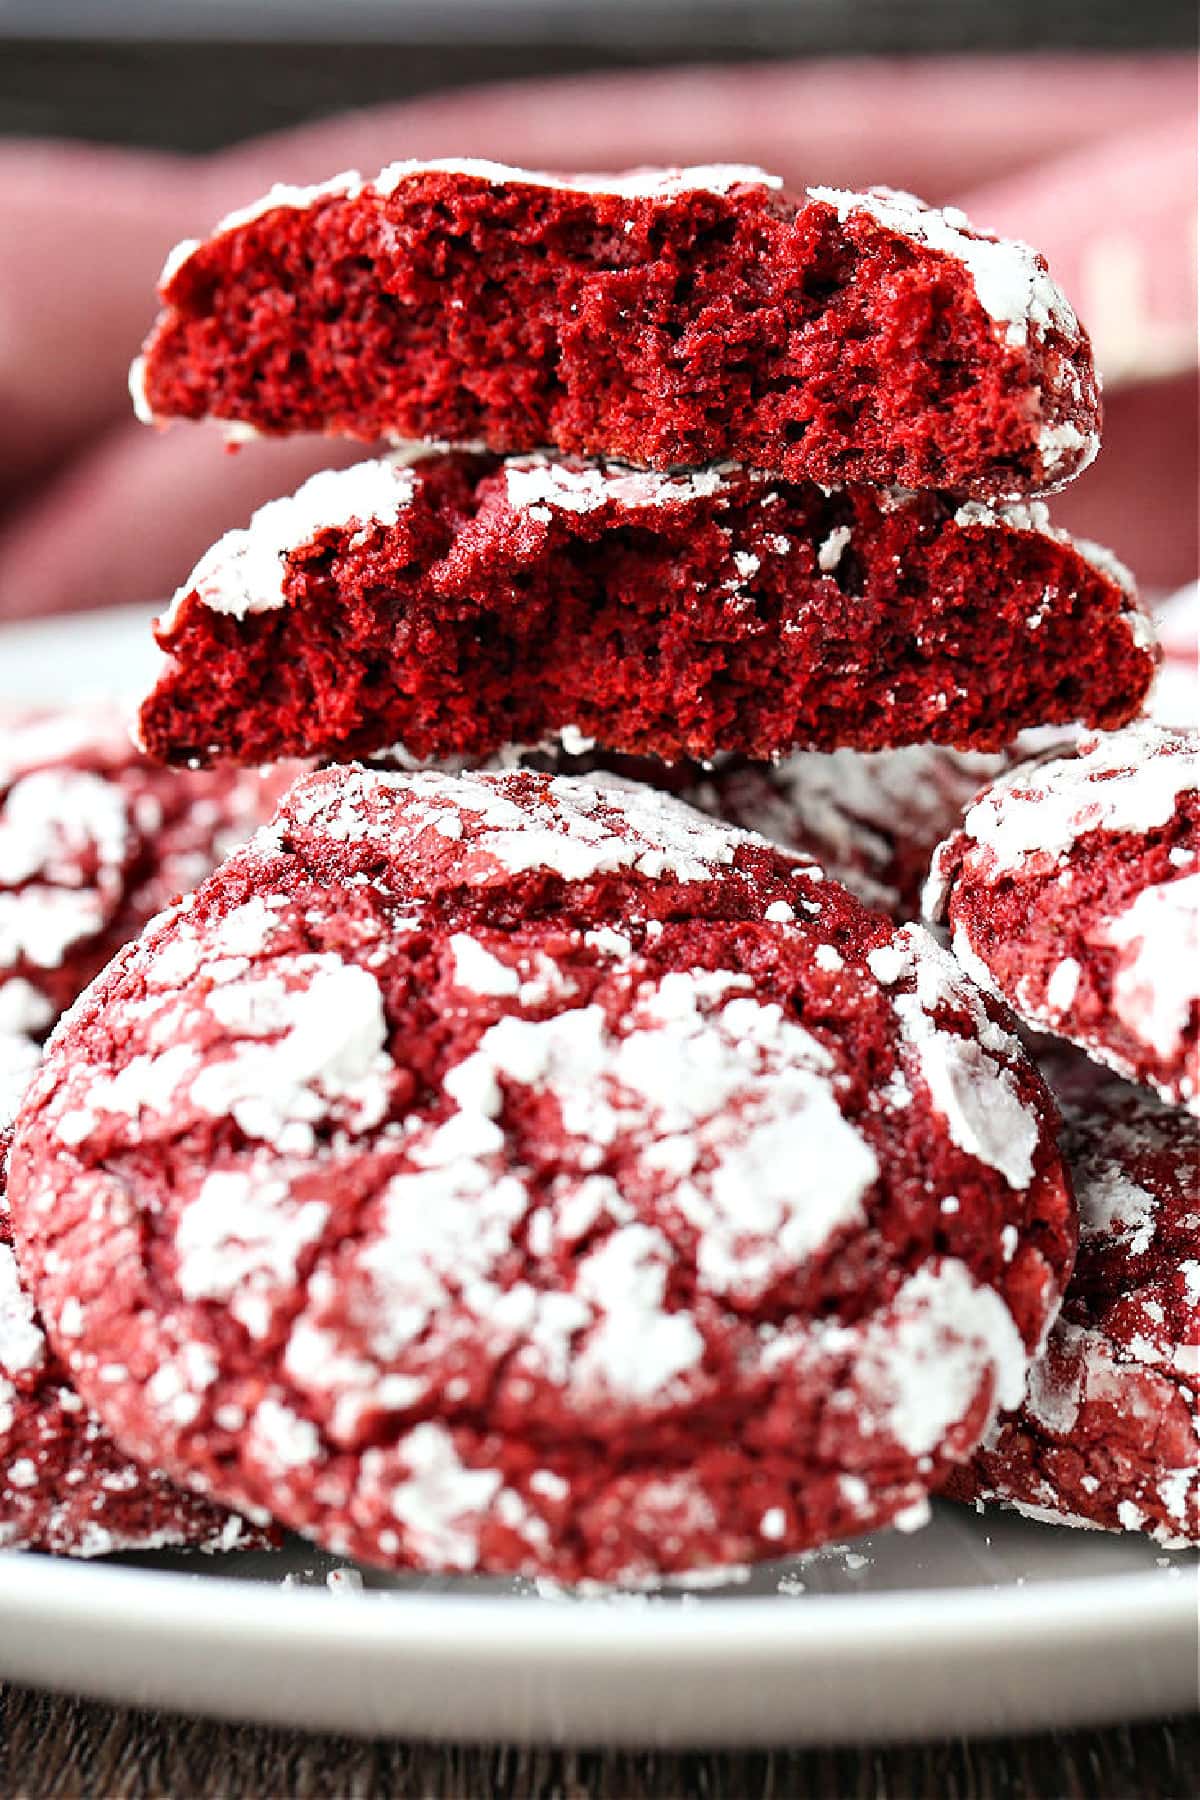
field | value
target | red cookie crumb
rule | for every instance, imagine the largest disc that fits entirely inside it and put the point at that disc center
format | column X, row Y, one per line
column 668, row 317
column 1073, row 890
column 503, row 1173
column 94, row 840
column 64, row 1485
column 454, row 605
column 1109, row 1434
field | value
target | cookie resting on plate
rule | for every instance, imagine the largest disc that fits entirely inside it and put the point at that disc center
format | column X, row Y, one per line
column 94, row 840
column 514, row 1174
column 666, row 317
column 1073, row 890
column 454, row 605
column 64, row 1485
column 1109, row 1433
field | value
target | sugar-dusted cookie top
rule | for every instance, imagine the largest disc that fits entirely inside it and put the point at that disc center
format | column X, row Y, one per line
column 1073, row 889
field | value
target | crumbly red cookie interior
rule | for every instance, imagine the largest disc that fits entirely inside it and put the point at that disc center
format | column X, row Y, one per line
column 1073, row 890
column 497, row 1173
column 1109, row 1433
column 455, row 606
column 666, row 318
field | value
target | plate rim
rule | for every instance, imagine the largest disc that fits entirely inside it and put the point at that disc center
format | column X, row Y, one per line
column 1143, row 1603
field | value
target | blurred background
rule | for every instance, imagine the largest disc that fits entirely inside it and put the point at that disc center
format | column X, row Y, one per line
column 125, row 125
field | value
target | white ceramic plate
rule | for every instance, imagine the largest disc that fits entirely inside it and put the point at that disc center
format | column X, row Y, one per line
column 974, row 1624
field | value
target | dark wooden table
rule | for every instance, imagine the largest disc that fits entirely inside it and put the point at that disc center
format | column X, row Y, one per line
column 62, row 1749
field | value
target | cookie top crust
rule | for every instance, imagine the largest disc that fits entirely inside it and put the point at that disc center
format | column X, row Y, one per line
column 872, row 819
column 94, row 840
column 1073, row 889
column 65, row 1487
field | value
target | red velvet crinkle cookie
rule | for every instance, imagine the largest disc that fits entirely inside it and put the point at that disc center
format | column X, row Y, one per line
column 1073, row 890
column 454, row 605
column 514, row 1174
column 64, row 1485
column 94, row 840
column 1109, row 1434
column 666, row 317
column 872, row 820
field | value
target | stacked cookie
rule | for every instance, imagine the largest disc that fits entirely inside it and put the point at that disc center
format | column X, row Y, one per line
column 497, row 1168
column 760, row 581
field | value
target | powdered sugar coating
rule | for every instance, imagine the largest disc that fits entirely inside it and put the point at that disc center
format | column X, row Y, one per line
column 872, row 819
column 1073, row 889
column 971, row 1080
column 1157, row 982
column 65, row 1487
column 306, row 1037
column 944, row 1325
column 1012, row 281
column 1126, row 781
column 536, row 1254
column 648, row 184
column 568, row 486
column 93, row 841
column 1109, row 1431
column 1065, row 441
column 575, row 828
column 246, row 570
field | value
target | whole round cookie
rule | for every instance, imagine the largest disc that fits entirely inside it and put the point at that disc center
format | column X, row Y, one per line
column 517, row 1174
column 1109, row 1433
column 94, row 840
column 1073, row 890
column 64, row 1485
